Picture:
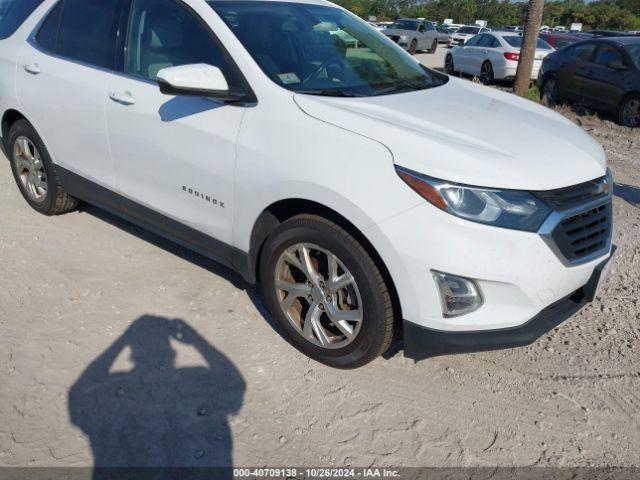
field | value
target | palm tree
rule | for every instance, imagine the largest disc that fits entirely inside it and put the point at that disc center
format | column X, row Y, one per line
column 528, row 48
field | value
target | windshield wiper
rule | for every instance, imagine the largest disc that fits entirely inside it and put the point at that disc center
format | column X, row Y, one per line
column 329, row 92
column 409, row 86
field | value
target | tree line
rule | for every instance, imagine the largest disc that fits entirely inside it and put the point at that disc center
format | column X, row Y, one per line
column 600, row 14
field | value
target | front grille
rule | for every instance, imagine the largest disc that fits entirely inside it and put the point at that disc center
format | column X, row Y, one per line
column 583, row 234
column 581, row 225
column 395, row 38
column 570, row 196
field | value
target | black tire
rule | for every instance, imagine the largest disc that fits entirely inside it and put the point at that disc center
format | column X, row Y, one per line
column 413, row 47
column 377, row 324
column 486, row 73
column 55, row 201
column 434, row 47
column 628, row 118
column 549, row 90
column 449, row 66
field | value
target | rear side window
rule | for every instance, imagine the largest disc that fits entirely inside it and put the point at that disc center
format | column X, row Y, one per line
column 582, row 52
column 13, row 13
column 606, row 56
column 47, row 37
column 88, row 31
column 82, row 30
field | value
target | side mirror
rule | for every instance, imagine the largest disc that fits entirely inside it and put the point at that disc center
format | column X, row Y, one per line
column 197, row 80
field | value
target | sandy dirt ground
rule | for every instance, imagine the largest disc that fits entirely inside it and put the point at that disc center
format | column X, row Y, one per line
column 118, row 347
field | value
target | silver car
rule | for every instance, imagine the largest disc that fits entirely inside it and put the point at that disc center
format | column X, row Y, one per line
column 413, row 34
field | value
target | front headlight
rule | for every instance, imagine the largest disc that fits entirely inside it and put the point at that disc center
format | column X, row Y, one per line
column 514, row 209
column 403, row 38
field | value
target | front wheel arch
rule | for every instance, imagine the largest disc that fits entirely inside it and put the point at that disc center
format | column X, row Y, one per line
column 280, row 211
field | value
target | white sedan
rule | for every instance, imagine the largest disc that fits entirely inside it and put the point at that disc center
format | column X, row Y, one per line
column 493, row 56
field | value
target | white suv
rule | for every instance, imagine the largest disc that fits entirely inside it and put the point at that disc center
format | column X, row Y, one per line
column 371, row 197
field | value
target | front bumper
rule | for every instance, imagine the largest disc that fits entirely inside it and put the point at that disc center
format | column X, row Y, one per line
column 422, row 342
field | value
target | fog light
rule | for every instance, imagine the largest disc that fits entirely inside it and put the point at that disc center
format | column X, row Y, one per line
column 458, row 295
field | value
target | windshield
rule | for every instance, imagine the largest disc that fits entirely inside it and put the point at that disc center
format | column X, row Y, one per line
column 322, row 50
column 405, row 25
column 472, row 30
column 516, row 41
column 634, row 53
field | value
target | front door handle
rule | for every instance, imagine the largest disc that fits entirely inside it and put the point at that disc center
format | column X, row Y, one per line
column 32, row 68
column 125, row 98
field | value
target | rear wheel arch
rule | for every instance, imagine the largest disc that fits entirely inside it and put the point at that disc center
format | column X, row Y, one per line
column 280, row 211
column 9, row 118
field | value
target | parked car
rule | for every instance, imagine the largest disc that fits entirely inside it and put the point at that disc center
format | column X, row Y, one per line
column 443, row 34
column 607, row 33
column 560, row 40
column 493, row 56
column 466, row 33
column 365, row 205
column 603, row 74
column 633, row 32
column 413, row 35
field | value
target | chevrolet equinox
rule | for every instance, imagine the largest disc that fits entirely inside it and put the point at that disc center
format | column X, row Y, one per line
column 294, row 143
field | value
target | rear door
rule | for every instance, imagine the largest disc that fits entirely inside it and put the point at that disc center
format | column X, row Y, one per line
column 572, row 71
column 463, row 55
column 61, row 79
column 606, row 78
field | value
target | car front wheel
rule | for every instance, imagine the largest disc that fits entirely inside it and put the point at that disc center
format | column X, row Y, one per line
column 326, row 292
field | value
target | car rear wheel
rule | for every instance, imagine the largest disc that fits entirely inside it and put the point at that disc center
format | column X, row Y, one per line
column 326, row 293
column 35, row 173
column 549, row 92
column 629, row 115
column 486, row 73
column 434, row 47
column 449, row 67
column 413, row 47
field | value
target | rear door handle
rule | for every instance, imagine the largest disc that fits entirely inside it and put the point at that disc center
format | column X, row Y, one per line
column 125, row 98
column 32, row 68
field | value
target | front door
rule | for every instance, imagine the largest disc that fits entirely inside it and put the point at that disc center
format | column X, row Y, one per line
column 174, row 156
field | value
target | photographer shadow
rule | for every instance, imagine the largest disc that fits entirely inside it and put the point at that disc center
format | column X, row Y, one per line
column 157, row 420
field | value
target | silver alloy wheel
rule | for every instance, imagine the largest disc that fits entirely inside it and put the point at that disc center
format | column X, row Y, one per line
column 30, row 168
column 631, row 113
column 318, row 295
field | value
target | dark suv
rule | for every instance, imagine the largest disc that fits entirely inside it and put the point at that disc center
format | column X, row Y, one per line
column 603, row 74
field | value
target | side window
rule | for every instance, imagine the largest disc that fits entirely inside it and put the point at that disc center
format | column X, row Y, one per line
column 486, row 41
column 88, row 31
column 164, row 34
column 13, row 13
column 607, row 56
column 422, row 27
column 582, row 52
column 428, row 26
column 473, row 42
column 47, row 36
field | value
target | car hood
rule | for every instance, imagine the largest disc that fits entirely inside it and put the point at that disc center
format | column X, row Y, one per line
column 467, row 133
